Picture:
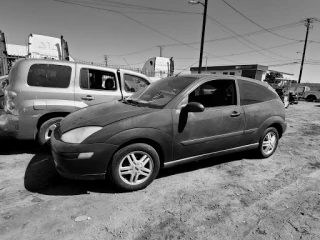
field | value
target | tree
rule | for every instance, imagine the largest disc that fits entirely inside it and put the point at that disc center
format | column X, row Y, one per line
column 271, row 76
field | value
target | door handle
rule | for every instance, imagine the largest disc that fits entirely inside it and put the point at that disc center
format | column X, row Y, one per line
column 235, row 114
column 88, row 97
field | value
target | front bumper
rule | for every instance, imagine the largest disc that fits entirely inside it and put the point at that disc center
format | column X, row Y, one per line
column 68, row 164
column 9, row 125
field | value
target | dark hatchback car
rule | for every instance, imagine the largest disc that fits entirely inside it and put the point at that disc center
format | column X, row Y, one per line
column 172, row 121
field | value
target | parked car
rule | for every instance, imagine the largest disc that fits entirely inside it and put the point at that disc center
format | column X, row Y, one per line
column 174, row 120
column 42, row 92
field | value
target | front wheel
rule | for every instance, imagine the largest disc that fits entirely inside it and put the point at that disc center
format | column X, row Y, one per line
column 134, row 167
column 268, row 142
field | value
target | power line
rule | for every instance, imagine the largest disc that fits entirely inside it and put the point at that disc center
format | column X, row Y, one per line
column 257, row 23
column 220, row 24
column 243, row 35
column 128, row 54
column 116, row 4
column 73, row 3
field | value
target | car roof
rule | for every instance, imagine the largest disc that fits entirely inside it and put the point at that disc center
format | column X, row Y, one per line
column 221, row 76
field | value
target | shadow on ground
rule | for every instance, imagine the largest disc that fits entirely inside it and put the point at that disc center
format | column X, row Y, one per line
column 11, row 146
column 42, row 177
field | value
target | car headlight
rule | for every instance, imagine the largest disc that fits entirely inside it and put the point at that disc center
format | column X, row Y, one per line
column 79, row 134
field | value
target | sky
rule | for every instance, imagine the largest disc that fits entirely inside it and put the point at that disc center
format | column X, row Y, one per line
column 130, row 36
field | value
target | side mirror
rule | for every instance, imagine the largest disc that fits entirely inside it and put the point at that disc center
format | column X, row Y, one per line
column 193, row 107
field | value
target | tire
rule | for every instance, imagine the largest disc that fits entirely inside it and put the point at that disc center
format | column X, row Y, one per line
column 268, row 142
column 128, row 158
column 311, row 98
column 46, row 130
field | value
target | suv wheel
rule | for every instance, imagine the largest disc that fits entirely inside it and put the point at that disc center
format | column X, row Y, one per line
column 47, row 129
column 268, row 142
column 134, row 167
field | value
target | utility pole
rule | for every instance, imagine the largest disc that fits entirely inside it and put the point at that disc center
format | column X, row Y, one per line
column 308, row 21
column 106, row 60
column 205, row 5
column 161, row 48
column 202, row 35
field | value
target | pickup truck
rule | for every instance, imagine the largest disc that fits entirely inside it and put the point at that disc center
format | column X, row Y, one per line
column 42, row 92
column 305, row 93
column 311, row 96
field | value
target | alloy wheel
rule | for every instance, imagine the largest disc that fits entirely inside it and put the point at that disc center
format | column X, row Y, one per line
column 136, row 167
column 269, row 143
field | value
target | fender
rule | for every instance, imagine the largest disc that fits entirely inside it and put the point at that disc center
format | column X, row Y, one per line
column 253, row 135
column 162, row 139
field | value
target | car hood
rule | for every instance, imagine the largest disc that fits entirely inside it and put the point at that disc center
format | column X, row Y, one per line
column 102, row 115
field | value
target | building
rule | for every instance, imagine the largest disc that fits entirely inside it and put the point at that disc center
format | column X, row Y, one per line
column 254, row 71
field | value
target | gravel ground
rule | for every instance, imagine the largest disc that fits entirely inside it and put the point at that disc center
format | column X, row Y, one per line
column 230, row 197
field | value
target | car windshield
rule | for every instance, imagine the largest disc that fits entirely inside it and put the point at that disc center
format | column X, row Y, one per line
column 161, row 92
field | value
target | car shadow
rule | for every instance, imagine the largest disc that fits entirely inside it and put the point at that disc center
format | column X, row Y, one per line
column 41, row 176
column 11, row 146
column 317, row 105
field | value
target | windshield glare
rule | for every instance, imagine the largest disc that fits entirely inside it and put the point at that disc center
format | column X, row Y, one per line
column 161, row 92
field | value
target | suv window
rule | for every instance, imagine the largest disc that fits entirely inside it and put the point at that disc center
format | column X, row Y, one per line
column 251, row 93
column 49, row 75
column 97, row 80
column 215, row 93
column 133, row 83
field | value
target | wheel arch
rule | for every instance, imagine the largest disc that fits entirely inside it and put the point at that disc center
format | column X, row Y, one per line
column 147, row 141
column 159, row 140
column 45, row 117
column 278, row 127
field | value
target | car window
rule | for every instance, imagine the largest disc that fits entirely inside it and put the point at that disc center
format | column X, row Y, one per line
column 215, row 93
column 93, row 79
column 134, row 83
column 49, row 75
column 251, row 93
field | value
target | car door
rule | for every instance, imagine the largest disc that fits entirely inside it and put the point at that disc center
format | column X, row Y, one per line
column 219, row 127
column 96, row 85
column 132, row 82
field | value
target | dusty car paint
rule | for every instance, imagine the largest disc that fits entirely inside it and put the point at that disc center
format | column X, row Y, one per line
column 176, row 136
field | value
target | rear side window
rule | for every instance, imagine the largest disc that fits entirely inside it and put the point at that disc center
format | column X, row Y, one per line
column 251, row 93
column 49, row 75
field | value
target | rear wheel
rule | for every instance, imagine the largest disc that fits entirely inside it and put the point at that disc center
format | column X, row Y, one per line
column 268, row 142
column 134, row 167
column 311, row 98
column 46, row 130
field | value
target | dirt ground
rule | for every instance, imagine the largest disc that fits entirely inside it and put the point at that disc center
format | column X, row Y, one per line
column 231, row 197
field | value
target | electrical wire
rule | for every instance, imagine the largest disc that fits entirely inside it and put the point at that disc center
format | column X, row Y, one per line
column 73, row 3
column 225, row 27
column 116, row 4
column 257, row 23
column 296, row 24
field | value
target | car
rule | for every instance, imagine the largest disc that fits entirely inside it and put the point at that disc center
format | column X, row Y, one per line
column 172, row 121
column 41, row 92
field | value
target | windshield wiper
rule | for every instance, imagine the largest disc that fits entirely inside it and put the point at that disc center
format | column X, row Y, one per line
column 132, row 102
